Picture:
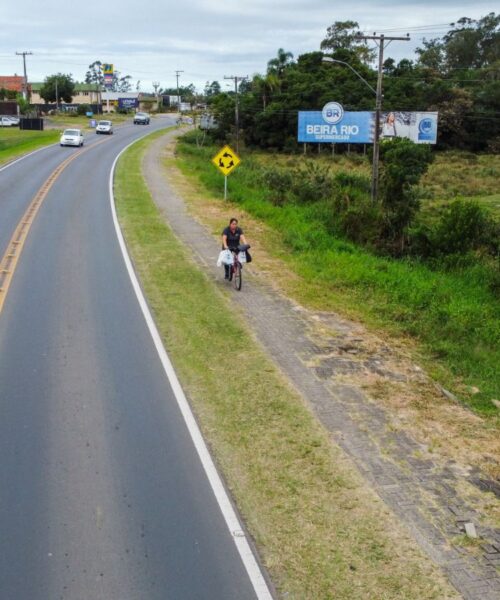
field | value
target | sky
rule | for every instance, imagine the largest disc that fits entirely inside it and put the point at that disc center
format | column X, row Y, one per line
column 206, row 39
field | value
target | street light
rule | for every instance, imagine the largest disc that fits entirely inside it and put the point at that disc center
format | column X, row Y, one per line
column 329, row 59
column 378, row 107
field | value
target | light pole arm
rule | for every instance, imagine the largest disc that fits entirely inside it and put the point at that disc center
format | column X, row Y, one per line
column 328, row 59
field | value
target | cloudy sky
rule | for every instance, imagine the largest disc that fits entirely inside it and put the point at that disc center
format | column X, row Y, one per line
column 207, row 39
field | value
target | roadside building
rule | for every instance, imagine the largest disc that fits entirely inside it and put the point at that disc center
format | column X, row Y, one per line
column 85, row 93
column 114, row 101
column 13, row 83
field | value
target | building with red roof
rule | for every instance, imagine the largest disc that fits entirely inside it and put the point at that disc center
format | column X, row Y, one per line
column 14, row 83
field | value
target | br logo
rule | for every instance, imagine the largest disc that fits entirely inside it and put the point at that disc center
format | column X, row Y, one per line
column 333, row 112
column 425, row 126
column 426, row 131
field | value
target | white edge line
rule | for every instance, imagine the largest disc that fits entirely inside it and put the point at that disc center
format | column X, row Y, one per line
column 233, row 524
column 14, row 162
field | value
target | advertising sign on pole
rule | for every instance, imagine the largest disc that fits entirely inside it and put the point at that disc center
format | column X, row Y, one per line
column 108, row 71
column 333, row 125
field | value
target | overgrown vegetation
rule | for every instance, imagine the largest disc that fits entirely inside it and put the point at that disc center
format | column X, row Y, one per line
column 447, row 297
column 321, row 533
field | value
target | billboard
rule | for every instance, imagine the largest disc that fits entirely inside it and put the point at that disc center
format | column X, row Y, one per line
column 128, row 103
column 333, row 125
column 419, row 127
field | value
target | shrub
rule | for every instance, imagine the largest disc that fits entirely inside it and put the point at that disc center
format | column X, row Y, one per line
column 362, row 222
column 83, row 109
column 312, row 182
column 466, row 226
column 278, row 182
column 403, row 164
column 361, row 182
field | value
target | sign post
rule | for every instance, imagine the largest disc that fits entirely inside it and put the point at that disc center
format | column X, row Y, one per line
column 226, row 160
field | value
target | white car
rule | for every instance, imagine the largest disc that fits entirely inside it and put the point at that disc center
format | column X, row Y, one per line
column 72, row 137
column 15, row 120
column 141, row 118
column 104, row 127
column 6, row 122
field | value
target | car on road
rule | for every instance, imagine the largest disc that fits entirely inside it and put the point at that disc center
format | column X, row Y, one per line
column 141, row 118
column 72, row 137
column 15, row 119
column 7, row 122
column 104, row 127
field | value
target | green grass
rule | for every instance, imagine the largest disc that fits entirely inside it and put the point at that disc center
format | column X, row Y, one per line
column 454, row 316
column 461, row 174
column 15, row 143
column 321, row 532
column 64, row 121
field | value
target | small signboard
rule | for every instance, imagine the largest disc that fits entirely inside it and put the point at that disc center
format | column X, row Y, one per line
column 226, row 160
column 128, row 103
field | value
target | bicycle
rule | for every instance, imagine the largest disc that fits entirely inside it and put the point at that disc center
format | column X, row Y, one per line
column 236, row 267
column 235, row 271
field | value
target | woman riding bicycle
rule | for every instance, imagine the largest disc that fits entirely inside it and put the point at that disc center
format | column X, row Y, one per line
column 232, row 237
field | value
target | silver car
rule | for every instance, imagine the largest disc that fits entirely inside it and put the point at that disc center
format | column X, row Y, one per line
column 141, row 118
column 104, row 127
column 72, row 137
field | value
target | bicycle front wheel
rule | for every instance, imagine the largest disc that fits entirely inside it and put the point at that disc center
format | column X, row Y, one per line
column 237, row 276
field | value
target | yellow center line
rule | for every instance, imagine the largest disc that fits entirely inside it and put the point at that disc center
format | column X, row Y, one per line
column 9, row 261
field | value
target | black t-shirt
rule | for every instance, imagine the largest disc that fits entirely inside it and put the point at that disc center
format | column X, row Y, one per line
column 233, row 239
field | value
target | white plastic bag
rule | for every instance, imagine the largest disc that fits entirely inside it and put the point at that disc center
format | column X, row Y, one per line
column 242, row 257
column 225, row 258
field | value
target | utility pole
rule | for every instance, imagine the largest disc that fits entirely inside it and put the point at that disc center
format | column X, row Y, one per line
column 237, row 79
column 382, row 42
column 25, row 86
column 156, row 85
column 57, row 96
column 177, row 74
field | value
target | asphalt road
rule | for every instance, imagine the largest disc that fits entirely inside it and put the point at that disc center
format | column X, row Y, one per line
column 102, row 495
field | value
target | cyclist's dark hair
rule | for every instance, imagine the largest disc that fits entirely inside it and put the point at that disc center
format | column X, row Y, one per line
column 233, row 220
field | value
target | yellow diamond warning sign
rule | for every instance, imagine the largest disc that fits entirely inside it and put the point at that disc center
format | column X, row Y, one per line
column 226, row 160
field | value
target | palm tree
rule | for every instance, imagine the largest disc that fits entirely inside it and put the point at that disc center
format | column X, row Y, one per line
column 277, row 65
column 265, row 86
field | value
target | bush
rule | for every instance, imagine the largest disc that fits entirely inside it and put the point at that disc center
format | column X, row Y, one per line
column 466, row 226
column 312, row 182
column 361, row 182
column 362, row 222
column 83, row 109
column 278, row 183
column 403, row 164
